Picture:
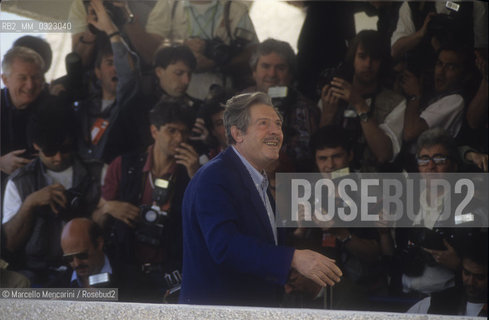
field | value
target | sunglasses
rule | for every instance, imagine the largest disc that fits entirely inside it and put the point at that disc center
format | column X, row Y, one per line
column 437, row 160
column 67, row 148
column 68, row 258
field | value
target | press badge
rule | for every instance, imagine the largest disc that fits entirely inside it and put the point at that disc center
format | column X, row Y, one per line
column 98, row 130
column 277, row 92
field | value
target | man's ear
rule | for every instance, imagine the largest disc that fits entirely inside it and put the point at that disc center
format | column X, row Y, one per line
column 159, row 71
column 98, row 73
column 5, row 79
column 236, row 134
column 154, row 131
column 350, row 156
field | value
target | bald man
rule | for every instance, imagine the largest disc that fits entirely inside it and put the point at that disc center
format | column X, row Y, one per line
column 82, row 244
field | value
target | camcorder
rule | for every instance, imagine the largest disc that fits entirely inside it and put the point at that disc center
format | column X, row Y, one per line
column 153, row 219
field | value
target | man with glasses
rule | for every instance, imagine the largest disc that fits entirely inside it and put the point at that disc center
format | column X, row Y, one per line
column 82, row 244
column 436, row 154
column 41, row 196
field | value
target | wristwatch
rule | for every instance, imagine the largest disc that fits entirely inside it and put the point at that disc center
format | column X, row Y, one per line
column 363, row 116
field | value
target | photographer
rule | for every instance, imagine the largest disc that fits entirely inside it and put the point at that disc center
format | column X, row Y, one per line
column 274, row 68
column 219, row 33
column 371, row 113
column 421, row 25
column 104, row 117
column 429, row 255
column 142, row 198
column 51, row 189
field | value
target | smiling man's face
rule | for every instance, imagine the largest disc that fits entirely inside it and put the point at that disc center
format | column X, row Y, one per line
column 261, row 142
column 271, row 70
column 24, row 82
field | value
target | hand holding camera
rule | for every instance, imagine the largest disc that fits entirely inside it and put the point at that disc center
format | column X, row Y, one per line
column 410, row 84
column 99, row 18
column 13, row 160
column 52, row 196
column 342, row 89
column 188, row 157
column 447, row 258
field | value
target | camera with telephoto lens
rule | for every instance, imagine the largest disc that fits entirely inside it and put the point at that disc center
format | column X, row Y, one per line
column 153, row 219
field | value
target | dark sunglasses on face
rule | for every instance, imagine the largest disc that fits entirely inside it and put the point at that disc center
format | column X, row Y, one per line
column 437, row 159
column 67, row 148
column 68, row 258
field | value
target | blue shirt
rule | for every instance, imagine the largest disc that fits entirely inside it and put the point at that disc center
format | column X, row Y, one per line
column 261, row 183
column 107, row 268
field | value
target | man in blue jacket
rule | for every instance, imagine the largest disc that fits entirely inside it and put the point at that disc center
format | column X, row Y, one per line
column 232, row 251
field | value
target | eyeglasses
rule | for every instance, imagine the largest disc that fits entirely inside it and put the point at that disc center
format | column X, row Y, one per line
column 67, row 148
column 68, row 258
column 438, row 159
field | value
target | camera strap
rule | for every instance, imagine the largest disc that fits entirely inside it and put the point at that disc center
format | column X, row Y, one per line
column 202, row 29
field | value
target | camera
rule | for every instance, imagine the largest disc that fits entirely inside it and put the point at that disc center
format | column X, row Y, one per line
column 327, row 75
column 221, row 53
column 217, row 50
column 414, row 258
column 74, row 201
column 151, row 228
column 116, row 14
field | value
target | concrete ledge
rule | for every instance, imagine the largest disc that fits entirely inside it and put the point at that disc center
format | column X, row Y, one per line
column 54, row 310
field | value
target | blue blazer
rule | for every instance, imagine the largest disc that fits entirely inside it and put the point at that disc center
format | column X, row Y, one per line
column 229, row 253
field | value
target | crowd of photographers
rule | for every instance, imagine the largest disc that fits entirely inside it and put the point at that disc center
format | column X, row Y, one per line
column 94, row 165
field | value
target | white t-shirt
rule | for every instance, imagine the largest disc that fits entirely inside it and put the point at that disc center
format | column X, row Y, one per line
column 422, row 306
column 446, row 113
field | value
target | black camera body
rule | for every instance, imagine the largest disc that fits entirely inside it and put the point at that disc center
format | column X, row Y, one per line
column 414, row 258
column 75, row 201
column 152, row 223
column 327, row 75
column 221, row 53
column 218, row 51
